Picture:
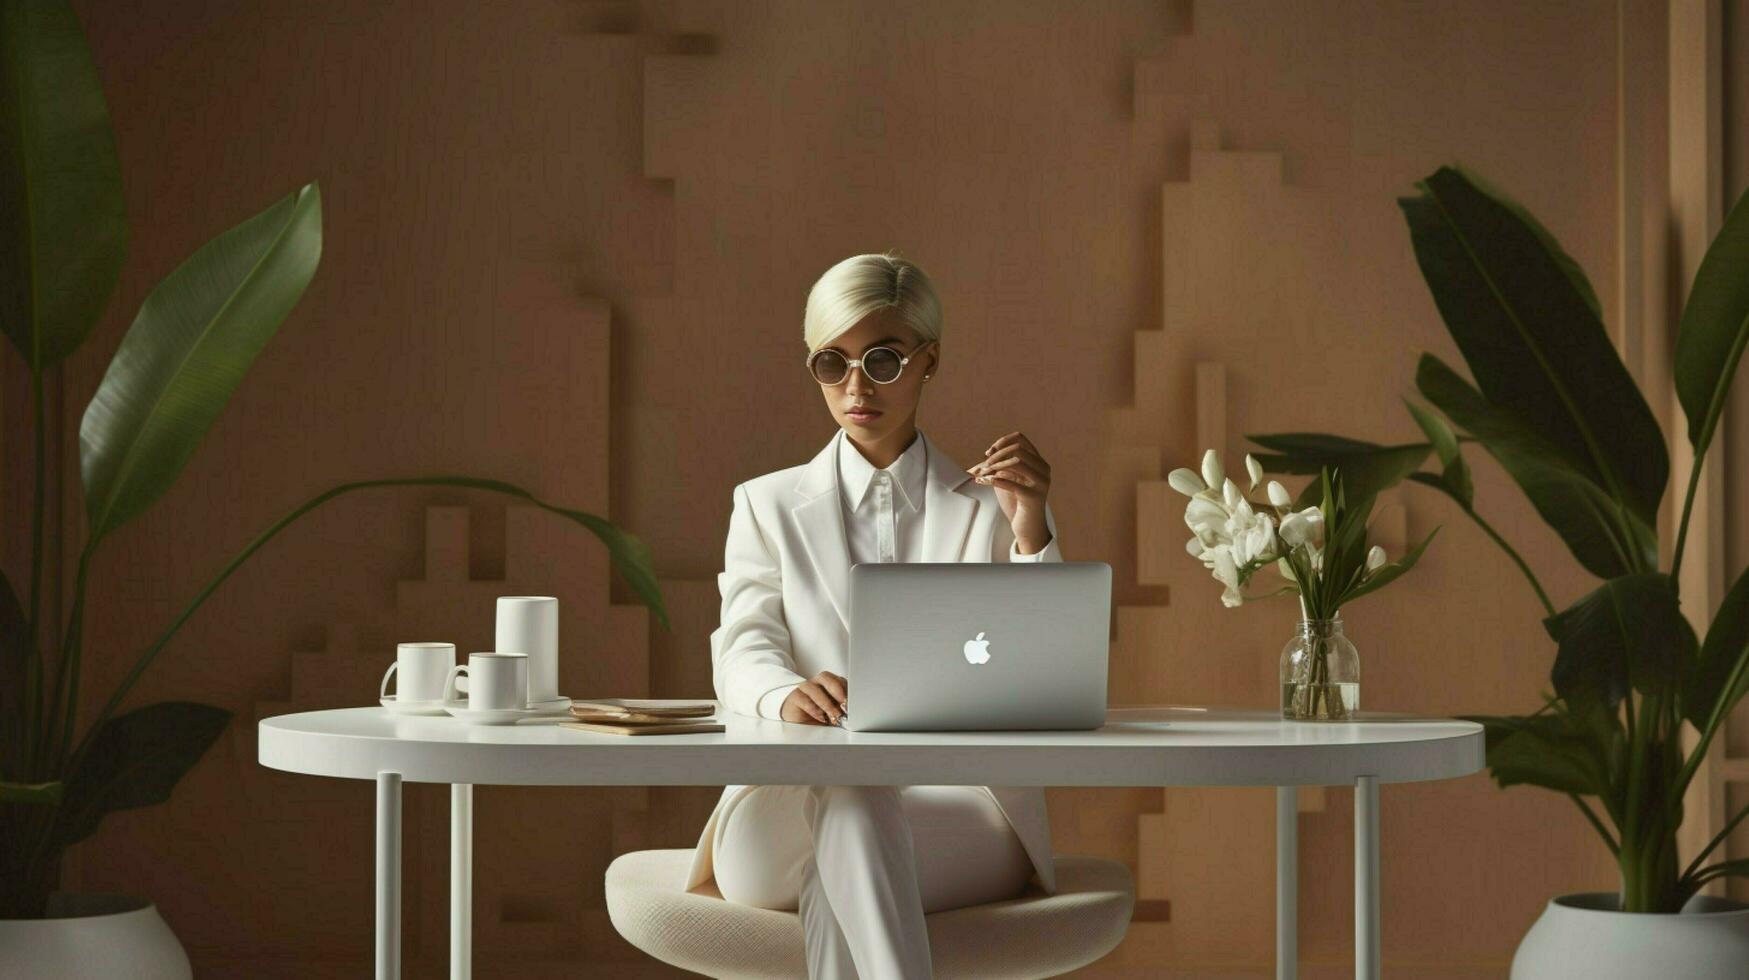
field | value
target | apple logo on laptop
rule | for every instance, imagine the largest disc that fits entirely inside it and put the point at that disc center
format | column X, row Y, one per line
column 978, row 650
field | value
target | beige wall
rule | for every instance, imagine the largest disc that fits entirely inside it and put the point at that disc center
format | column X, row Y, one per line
column 568, row 244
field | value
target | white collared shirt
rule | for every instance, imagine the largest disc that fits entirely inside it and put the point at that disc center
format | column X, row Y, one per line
column 883, row 509
column 883, row 519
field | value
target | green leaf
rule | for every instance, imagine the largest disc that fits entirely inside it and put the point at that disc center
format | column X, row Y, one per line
column 38, row 793
column 1725, row 651
column 1455, row 475
column 1568, row 265
column 1605, row 537
column 135, row 760
column 61, row 214
column 1629, row 631
column 15, row 654
column 187, row 351
column 1715, row 328
column 1367, row 468
column 14, row 640
column 1527, row 324
column 1390, row 571
column 1542, row 750
column 1724, row 869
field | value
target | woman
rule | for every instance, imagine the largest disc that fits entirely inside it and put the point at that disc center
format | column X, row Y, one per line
column 863, row 864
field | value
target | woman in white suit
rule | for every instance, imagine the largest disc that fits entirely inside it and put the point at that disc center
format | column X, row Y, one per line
column 863, row 864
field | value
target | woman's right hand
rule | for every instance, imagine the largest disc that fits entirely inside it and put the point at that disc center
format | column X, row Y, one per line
column 820, row 700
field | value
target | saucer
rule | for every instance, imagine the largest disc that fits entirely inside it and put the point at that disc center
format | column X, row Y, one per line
column 490, row 716
column 396, row 706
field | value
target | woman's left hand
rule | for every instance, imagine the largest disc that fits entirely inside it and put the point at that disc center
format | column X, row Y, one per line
column 1021, row 478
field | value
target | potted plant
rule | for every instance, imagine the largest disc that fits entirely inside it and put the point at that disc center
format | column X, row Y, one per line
column 1319, row 545
column 1552, row 402
column 184, row 355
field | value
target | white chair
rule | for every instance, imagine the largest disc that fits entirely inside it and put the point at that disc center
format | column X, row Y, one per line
column 1031, row 935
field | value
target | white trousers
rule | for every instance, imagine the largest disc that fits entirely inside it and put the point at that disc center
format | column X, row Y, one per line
column 863, row 864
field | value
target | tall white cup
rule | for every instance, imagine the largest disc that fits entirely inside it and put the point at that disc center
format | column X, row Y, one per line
column 423, row 668
column 495, row 681
column 530, row 624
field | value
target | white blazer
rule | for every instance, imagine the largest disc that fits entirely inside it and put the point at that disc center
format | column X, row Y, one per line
column 785, row 588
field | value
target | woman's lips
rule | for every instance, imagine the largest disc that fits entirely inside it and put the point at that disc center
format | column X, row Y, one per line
column 862, row 414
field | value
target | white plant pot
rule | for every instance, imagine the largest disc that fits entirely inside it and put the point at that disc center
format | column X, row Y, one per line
column 1584, row 936
column 93, row 936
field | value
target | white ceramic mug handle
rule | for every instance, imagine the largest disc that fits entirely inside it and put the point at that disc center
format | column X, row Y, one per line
column 383, row 691
column 449, row 683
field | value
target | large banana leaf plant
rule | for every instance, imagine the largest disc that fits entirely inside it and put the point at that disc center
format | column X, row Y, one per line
column 185, row 353
column 1554, row 405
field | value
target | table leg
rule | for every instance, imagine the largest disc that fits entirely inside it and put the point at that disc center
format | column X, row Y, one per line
column 1287, row 882
column 461, row 881
column 1366, row 878
column 388, row 876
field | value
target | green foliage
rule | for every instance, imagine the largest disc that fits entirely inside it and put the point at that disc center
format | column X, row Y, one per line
column 1526, row 321
column 1721, row 674
column 195, row 336
column 1546, row 750
column 135, row 760
column 1606, row 536
column 1454, row 475
column 1367, row 468
column 61, row 216
column 1628, row 633
column 1552, row 403
column 1715, row 328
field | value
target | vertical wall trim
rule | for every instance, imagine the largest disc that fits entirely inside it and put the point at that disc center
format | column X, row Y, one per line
column 1630, row 333
column 1696, row 211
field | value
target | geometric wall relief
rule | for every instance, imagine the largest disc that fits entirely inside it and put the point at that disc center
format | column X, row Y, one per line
column 543, row 850
column 666, row 63
column 1195, row 842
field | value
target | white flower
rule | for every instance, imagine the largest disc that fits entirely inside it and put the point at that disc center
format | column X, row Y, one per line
column 1253, row 467
column 1195, row 547
column 1230, row 494
column 1255, row 542
column 1227, row 572
column 1208, row 519
column 1278, row 496
column 1303, row 527
column 1186, row 481
column 1212, row 474
column 1375, row 557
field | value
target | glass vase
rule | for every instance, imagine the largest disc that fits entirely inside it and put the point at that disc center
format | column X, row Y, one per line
column 1320, row 673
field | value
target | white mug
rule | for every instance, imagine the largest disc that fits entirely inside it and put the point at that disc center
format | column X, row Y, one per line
column 496, row 681
column 530, row 624
column 423, row 668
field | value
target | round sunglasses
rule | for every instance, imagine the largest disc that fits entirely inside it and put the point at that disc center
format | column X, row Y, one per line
column 881, row 364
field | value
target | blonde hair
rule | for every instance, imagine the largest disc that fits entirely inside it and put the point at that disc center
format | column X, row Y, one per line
column 864, row 284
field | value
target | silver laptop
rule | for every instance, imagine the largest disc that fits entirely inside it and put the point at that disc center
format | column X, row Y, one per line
column 987, row 646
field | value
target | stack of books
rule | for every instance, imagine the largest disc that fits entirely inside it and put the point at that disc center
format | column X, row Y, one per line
column 642, row 716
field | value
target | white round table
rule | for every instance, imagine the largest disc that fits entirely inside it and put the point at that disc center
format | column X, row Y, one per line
column 1152, row 746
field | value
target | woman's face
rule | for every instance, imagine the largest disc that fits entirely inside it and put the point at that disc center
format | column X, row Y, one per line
column 871, row 412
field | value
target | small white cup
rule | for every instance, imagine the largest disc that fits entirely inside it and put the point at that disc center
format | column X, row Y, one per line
column 496, row 681
column 423, row 668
